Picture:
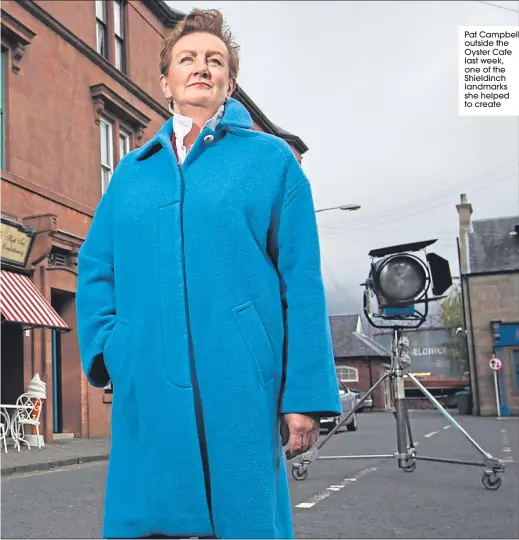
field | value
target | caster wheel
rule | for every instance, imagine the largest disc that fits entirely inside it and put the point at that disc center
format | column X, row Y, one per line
column 491, row 481
column 410, row 468
column 299, row 472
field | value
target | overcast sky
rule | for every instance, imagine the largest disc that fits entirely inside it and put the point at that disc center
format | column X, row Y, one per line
column 372, row 89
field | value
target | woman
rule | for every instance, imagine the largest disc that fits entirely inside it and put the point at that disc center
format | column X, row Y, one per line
column 218, row 337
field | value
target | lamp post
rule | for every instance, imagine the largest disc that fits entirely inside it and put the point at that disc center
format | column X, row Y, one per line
column 349, row 207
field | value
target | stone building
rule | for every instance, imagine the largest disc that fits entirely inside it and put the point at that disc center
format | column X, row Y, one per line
column 489, row 264
column 79, row 91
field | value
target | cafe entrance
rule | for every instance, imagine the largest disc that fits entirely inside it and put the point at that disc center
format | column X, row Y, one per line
column 12, row 363
column 23, row 309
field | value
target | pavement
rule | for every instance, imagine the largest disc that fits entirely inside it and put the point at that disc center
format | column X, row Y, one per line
column 357, row 498
column 58, row 454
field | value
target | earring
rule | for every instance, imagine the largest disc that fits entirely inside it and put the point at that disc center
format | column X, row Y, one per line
column 170, row 106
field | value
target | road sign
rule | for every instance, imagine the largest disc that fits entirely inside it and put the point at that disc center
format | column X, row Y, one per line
column 495, row 364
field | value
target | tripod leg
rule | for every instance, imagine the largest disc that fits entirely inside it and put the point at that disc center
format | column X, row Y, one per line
column 411, row 459
column 446, row 414
column 400, row 414
column 345, row 420
column 408, row 423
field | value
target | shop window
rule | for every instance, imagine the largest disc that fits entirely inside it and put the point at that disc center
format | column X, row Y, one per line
column 347, row 374
column 110, row 32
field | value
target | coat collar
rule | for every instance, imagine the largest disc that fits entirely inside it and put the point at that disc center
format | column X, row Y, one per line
column 235, row 116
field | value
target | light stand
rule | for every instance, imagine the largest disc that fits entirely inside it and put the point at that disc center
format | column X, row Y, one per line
column 394, row 273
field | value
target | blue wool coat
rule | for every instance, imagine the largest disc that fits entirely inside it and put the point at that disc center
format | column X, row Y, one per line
column 200, row 296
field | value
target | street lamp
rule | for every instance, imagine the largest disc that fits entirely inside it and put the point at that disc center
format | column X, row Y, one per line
column 350, row 207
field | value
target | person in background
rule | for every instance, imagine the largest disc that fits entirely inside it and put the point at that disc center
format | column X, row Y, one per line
column 200, row 297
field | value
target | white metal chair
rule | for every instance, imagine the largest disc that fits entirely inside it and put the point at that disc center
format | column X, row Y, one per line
column 4, row 428
column 28, row 413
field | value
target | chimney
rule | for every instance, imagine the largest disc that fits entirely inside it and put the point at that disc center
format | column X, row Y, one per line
column 464, row 213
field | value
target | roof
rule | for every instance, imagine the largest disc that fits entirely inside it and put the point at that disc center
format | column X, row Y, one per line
column 296, row 141
column 347, row 343
column 344, row 324
column 167, row 16
column 493, row 245
column 170, row 18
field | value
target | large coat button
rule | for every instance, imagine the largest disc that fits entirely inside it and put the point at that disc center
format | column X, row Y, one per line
column 208, row 139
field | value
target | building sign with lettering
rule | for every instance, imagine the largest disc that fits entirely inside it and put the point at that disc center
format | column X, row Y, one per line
column 16, row 242
column 429, row 351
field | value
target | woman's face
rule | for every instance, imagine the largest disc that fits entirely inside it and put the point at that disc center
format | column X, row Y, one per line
column 199, row 72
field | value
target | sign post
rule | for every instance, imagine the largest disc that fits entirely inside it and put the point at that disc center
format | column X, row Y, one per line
column 495, row 365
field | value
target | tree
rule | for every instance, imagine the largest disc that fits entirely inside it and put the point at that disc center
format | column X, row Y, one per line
column 451, row 310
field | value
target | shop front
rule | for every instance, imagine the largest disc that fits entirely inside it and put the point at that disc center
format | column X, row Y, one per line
column 27, row 318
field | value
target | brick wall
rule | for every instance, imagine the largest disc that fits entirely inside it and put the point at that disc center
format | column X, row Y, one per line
column 491, row 297
column 53, row 161
column 363, row 383
column 53, row 138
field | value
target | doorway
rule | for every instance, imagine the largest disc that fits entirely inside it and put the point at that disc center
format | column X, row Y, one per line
column 57, row 404
column 66, row 367
column 12, row 385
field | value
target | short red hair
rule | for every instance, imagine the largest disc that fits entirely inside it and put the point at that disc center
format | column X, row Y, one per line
column 210, row 21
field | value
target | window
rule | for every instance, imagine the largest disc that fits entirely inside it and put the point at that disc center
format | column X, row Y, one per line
column 3, row 70
column 347, row 374
column 102, row 28
column 115, row 144
column 124, row 144
column 107, row 154
column 119, row 35
column 110, row 29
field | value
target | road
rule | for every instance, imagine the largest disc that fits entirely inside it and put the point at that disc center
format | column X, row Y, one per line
column 339, row 499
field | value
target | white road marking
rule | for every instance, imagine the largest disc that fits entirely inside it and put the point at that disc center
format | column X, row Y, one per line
column 507, row 449
column 503, row 431
column 508, row 460
column 447, row 426
column 312, row 501
column 431, row 434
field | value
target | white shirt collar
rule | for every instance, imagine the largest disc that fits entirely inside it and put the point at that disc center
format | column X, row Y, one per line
column 182, row 125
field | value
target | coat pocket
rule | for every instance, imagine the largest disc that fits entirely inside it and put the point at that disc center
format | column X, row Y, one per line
column 257, row 341
column 115, row 348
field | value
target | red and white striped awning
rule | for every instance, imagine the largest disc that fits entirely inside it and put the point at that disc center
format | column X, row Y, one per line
column 21, row 302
